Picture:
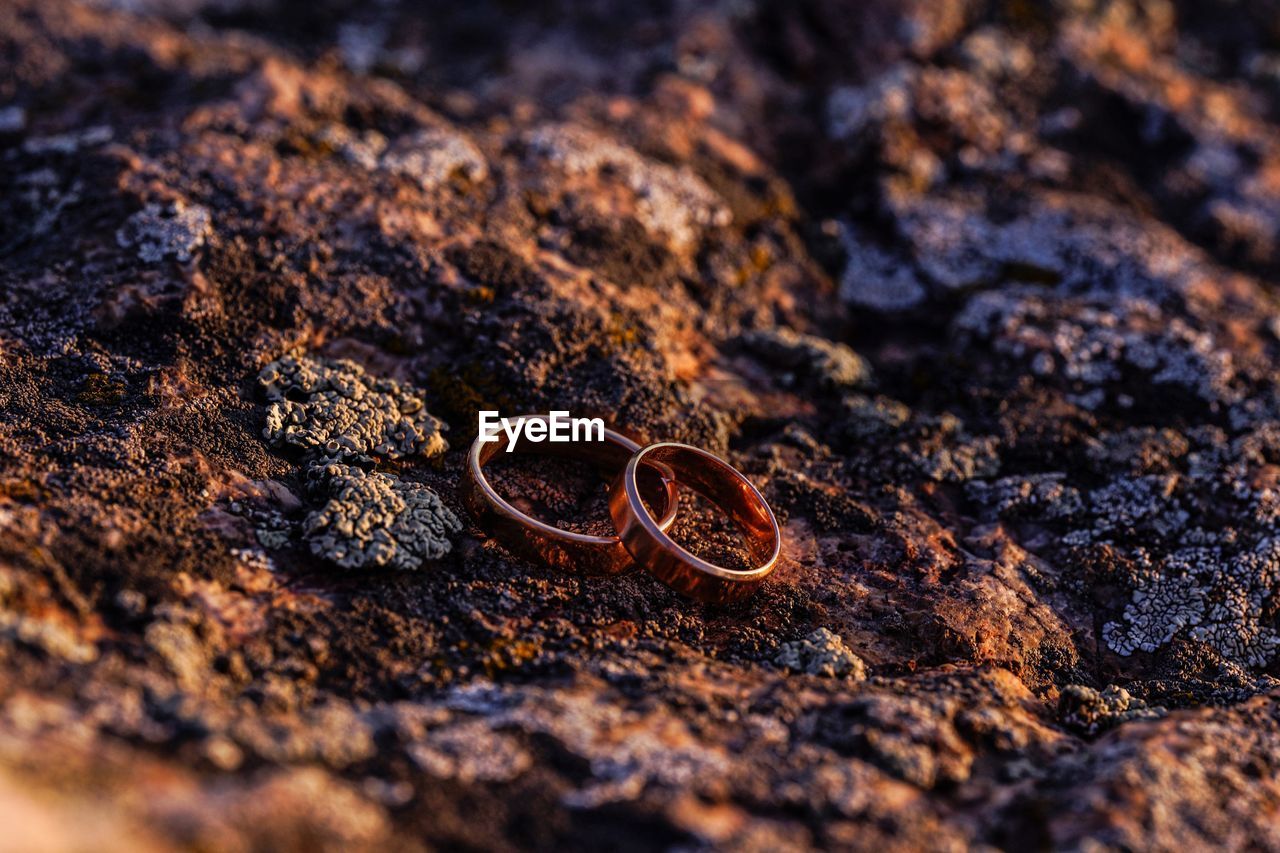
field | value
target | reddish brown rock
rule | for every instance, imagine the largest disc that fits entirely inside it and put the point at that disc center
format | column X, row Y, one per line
column 980, row 295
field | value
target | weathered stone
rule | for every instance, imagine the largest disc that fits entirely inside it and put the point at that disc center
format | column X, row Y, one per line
column 980, row 296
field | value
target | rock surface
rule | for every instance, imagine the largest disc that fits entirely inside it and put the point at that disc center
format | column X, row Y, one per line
column 981, row 295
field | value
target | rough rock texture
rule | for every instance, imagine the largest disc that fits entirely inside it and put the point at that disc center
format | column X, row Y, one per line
column 982, row 295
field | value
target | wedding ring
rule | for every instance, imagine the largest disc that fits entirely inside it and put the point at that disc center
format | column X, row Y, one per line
column 646, row 538
column 528, row 537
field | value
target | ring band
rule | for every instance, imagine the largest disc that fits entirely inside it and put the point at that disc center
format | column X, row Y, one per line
column 664, row 558
column 528, row 537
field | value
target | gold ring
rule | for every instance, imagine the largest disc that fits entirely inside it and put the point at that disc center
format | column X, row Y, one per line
column 647, row 541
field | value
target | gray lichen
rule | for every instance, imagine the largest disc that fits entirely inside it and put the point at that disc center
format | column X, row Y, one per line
column 272, row 529
column 1218, row 598
column 360, row 149
column 947, row 453
column 822, row 653
column 910, row 737
column 990, row 53
column 852, row 110
column 470, row 751
column 335, row 408
column 13, row 119
column 1129, row 506
column 361, row 45
column 69, row 143
column 338, row 414
column 433, row 156
column 1043, row 497
column 829, row 364
column 1138, row 450
column 1091, row 711
column 875, row 280
column 869, row 417
column 938, row 447
column 671, row 201
column 1097, row 347
column 373, row 520
column 178, row 646
column 46, row 194
column 969, row 459
column 160, row 231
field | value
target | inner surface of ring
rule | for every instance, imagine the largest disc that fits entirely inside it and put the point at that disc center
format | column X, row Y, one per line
column 723, row 486
column 606, row 457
